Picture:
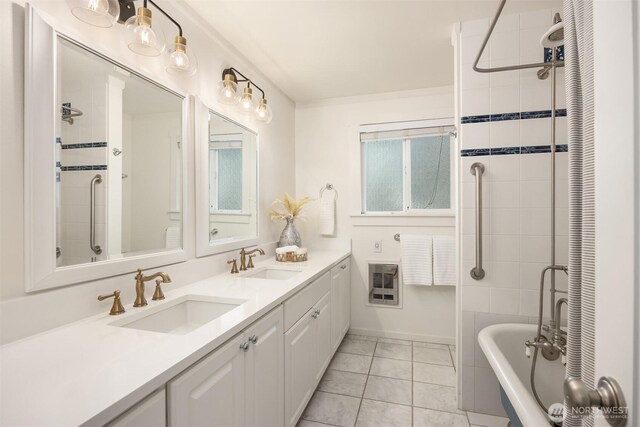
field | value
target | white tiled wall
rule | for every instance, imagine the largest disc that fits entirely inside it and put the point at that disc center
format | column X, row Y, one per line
column 516, row 191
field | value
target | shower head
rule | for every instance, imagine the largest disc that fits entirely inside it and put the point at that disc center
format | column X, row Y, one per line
column 554, row 36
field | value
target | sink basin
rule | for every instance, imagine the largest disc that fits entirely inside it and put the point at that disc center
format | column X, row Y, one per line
column 272, row 273
column 181, row 316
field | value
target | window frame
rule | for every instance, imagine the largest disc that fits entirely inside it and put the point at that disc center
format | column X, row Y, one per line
column 448, row 127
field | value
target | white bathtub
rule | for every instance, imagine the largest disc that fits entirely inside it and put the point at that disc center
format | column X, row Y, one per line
column 503, row 345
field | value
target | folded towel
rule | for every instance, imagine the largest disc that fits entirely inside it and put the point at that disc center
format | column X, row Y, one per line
column 327, row 217
column 416, row 259
column 172, row 238
column 444, row 260
column 285, row 249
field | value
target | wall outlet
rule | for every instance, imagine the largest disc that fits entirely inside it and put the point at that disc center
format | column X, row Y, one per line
column 377, row 246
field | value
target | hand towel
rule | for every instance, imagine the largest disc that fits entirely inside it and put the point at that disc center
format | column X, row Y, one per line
column 416, row 259
column 327, row 217
column 172, row 238
column 444, row 260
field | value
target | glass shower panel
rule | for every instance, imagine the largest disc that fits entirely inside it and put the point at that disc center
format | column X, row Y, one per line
column 230, row 179
column 384, row 175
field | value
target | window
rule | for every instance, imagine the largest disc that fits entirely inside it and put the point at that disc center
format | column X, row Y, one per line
column 225, row 191
column 406, row 169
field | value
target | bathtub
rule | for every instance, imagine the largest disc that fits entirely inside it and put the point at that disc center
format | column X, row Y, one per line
column 503, row 345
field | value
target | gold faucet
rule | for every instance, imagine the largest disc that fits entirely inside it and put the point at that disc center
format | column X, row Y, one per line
column 140, row 279
column 243, row 257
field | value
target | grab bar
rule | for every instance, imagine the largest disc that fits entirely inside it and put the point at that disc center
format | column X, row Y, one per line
column 477, row 169
column 92, row 234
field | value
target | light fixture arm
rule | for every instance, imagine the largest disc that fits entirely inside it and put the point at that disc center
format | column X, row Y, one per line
column 165, row 14
column 244, row 79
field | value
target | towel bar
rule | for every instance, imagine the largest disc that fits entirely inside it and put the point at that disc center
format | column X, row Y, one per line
column 329, row 187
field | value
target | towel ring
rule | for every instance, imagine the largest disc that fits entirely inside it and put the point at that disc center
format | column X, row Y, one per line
column 329, row 187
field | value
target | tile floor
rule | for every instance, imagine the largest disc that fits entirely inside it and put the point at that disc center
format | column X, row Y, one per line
column 387, row 382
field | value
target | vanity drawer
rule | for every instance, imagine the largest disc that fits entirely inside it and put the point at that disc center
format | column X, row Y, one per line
column 296, row 306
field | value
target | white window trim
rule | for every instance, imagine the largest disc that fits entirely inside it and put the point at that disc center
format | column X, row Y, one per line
column 399, row 126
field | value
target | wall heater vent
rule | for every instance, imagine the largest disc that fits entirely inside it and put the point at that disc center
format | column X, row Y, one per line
column 383, row 284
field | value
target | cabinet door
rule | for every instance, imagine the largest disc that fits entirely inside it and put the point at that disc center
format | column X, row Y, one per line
column 345, row 297
column 211, row 392
column 324, row 349
column 300, row 362
column 265, row 371
column 150, row 412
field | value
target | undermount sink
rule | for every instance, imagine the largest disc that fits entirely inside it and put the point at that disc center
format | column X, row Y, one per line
column 272, row 273
column 181, row 316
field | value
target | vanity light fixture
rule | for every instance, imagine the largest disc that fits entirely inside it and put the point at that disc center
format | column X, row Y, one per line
column 228, row 94
column 141, row 37
column 99, row 13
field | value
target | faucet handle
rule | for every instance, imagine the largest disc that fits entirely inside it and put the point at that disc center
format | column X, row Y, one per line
column 158, row 294
column 250, row 263
column 117, row 307
column 234, row 267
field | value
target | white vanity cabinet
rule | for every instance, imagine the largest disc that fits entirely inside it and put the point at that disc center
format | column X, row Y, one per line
column 150, row 412
column 236, row 385
column 307, row 345
column 340, row 302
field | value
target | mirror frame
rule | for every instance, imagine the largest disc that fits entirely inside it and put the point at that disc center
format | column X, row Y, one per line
column 40, row 114
column 204, row 247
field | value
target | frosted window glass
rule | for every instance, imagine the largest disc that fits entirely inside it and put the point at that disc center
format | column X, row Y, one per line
column 430, row 172
column 230, row 179
column 383, row 163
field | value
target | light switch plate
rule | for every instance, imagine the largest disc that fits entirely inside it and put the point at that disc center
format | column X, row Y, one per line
column 377, row 246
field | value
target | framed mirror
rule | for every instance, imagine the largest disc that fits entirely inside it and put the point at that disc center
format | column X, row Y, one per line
column 226, row 184
column 105, row 155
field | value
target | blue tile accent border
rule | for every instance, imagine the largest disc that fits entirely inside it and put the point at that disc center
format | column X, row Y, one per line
column 84, row 145
column 84, row 168
column 529, row 149
column 561, row 112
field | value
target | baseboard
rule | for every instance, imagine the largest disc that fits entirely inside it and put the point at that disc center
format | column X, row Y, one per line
column 403, row 336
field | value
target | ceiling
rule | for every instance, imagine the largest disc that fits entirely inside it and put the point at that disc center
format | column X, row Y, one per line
column 317, row 49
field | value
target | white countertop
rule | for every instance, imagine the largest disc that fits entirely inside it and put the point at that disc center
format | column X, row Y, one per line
column 91, row 371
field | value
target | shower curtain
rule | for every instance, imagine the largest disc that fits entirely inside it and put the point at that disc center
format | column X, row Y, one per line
column 578, row 31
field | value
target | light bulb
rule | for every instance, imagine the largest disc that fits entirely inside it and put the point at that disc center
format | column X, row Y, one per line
column 181, row 63
column 246, row 101
column 228, row 90
column 142, row 39
column 263, row 112
column 99, row 13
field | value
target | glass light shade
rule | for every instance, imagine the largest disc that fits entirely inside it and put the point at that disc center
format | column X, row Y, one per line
column 228, row 90
column 247, row 101
column 99, row 13
column 141, row 38
column 263, row 112
column 179, row 61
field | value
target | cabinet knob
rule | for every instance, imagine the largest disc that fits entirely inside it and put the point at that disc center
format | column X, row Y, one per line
column 244, row 346
column 253, row 339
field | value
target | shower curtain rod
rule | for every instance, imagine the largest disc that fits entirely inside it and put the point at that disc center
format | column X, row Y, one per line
column 510, row 67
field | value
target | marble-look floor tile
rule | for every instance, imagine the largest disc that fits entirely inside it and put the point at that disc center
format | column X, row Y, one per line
column 434, row 374
column 393, row 351
column 433, row 396
column 307, row 423
column 430, row 345
column 357, row 346
column 340, row 382
column 361, row 337
column 351, row 363
column 332, row 409
column 394, row 341
column 388, row 390
column 392, row 368
column 432, row 355
column 382, row 414
column 429, row 418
